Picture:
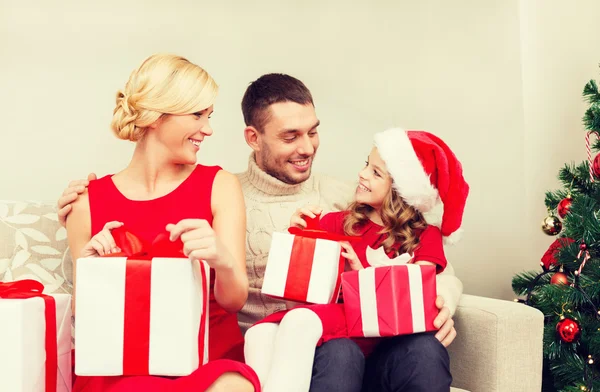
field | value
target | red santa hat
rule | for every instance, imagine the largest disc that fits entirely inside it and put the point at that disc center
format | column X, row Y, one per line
column 428, row 177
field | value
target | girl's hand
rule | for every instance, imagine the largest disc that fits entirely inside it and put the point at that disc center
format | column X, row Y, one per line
column 351, row 256
column 297, row 219
column 291, row 304
column 103, row 242
column 200, row 242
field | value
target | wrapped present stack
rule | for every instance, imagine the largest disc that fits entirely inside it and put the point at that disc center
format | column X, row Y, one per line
column 141, row 312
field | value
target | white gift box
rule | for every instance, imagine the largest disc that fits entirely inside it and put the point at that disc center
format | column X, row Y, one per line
column 23, row 333
column 178, row 316
column 303, row 269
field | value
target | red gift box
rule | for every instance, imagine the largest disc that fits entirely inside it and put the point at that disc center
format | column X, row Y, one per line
column 305, row 265
column 390, row 301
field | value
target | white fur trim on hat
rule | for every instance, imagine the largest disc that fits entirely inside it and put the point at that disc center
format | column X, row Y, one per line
column 454, row 237
column 410, row 179
column 434, row 216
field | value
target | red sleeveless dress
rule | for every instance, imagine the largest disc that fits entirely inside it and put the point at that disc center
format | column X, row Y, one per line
column 190, row 200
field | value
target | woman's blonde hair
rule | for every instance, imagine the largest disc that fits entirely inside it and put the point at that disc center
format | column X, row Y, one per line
column 163, row 84
column 400, row 222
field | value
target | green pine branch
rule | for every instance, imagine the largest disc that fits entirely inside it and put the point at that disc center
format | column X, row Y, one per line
column 553, row 198
column 591, row 95
column 578, row 175
column 592, row 336
column 572, row 388
column 580, row 299
column 591, row 118
column 581, row 222
column 567, row 256
column 590, row 92
column 569, row 370
column 575, row 180
column 595, row 144
column 590, row 279
column 523, row 282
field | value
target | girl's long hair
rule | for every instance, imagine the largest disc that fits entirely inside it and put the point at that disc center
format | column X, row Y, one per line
column 400, row 221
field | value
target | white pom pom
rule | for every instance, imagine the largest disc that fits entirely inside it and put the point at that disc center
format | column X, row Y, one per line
column 453, row 238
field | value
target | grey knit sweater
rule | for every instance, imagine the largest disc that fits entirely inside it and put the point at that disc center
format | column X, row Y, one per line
column 270, row 204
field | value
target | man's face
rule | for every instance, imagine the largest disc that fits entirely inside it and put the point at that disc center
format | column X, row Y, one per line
column 289, row 142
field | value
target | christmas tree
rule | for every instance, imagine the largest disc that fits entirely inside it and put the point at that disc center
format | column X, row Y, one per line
column 567, row 289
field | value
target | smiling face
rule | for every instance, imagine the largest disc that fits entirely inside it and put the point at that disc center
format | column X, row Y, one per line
column 286, row 145
column 374, row 182
column 181, row 135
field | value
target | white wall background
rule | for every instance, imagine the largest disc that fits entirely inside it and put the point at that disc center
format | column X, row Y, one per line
column 499, row 80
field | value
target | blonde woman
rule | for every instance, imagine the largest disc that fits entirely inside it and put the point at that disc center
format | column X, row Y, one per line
column 165, row 109
column 410, row 198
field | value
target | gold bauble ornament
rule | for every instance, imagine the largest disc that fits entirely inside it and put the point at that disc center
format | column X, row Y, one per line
column 551, row 225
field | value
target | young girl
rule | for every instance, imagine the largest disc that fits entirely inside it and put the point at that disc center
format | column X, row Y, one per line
column 409, row 200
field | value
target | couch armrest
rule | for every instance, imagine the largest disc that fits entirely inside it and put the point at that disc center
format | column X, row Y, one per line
column 498, row 347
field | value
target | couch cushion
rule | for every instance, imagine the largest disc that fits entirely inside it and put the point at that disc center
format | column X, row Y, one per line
column 33, row 245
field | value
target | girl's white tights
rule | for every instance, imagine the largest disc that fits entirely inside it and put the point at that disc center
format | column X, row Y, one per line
column 282, row 355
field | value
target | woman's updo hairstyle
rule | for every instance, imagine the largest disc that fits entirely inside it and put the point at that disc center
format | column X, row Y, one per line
column 163, row 84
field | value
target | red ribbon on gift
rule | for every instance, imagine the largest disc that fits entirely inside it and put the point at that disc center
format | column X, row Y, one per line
column 29, row 288
column 301, row 261
column 392, row 305
column 138, row 272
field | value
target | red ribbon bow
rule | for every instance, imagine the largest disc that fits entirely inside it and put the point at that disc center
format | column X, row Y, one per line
column 301, row 261
column 133, row 246
column 138, row 272
column 313, row 230
column 29, row 288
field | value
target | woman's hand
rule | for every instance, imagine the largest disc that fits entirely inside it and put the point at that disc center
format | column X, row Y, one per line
column 103, row 242
column 200, row 242
column 297, row 219
column 351, row 256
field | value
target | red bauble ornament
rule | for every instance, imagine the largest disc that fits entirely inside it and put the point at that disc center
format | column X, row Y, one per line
column 568, row 330
column 564, row 206
column 596, row 165
column 559, row 278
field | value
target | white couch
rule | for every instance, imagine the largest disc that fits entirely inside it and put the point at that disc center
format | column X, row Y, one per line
column 498, row 347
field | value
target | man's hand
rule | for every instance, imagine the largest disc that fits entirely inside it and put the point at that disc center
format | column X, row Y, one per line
column 70, row 194
column 446, row 332
column 298, row 219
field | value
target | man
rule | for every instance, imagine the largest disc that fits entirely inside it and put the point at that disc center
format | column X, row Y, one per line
column 282, row 130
